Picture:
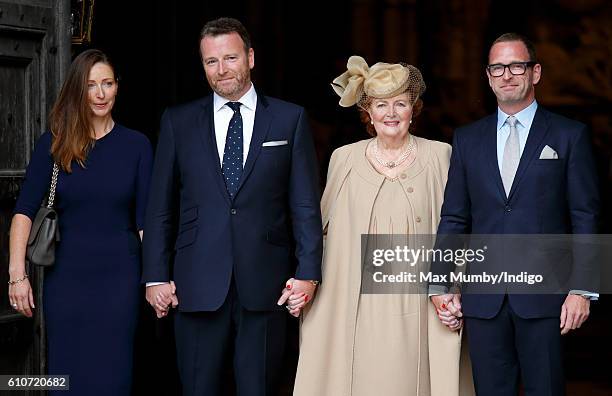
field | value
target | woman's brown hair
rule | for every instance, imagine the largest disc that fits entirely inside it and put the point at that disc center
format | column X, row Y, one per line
column 70, row 117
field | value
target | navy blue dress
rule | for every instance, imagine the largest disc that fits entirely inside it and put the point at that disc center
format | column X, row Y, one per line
column 92, row 293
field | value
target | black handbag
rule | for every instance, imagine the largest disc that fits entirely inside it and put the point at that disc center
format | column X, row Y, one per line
column 45, row 230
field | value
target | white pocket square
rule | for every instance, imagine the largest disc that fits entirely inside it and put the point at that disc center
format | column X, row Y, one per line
column 548, row 153
column 273, row 143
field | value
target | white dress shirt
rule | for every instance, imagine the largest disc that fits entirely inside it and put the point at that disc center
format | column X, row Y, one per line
column 223, row 114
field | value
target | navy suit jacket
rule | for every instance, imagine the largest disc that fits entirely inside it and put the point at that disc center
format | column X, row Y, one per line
column 198, row 236
column 547, row 197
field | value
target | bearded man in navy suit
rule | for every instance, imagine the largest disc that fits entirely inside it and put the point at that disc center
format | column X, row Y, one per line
column 233, row 221
column 522, row 170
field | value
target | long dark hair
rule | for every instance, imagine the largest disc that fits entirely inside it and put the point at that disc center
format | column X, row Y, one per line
column 70, row 117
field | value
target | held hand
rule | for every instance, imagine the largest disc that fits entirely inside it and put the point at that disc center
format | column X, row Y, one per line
column 160, row 298
column 286, row 292
column 297, row 293
column 448, row 309
column 574, row 313
column 297, row 302
column 450, row 302
column 21, row 297
column 449, row 320
column 303, row 291
column 304, row 286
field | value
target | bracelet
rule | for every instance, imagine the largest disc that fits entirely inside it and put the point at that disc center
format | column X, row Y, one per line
column 10, row 282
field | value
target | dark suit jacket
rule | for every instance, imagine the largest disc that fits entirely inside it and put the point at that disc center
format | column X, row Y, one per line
column 197, row 236
column 547, row 197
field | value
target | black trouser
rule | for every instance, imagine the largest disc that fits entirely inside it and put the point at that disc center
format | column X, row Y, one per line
column 205, row 340
column 508, row 347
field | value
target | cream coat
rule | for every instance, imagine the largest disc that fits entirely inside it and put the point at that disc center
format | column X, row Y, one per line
column 328, row 324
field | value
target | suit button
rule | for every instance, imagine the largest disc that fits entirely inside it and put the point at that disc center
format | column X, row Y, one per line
column 233, row 211
column 403, row 176
column 410, row 189
column 508, row 208
column 418, row 219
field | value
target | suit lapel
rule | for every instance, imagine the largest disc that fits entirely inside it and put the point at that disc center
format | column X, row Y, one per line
column 263, row 118
column 206, row 130
column 539, row 128
column 490, row 143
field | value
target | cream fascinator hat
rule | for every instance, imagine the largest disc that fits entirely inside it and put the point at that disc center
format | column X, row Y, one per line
column 360, row 83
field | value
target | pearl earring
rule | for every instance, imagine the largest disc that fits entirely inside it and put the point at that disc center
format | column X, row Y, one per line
column 372, row 122
column 411, row 121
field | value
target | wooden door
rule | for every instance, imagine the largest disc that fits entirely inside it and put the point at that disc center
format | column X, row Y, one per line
column 34, row 55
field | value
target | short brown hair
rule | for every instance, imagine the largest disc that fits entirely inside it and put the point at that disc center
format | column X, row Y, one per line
column 221, row 26
column 70, row 117
column 366, row 120
column 507, row 37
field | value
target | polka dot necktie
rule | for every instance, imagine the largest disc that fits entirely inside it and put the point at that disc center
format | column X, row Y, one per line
column 232, row 155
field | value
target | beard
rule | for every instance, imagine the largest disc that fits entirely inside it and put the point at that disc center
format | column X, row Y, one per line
column 230, row 88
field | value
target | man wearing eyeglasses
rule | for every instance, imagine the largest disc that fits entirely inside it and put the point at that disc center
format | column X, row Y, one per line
column 522, row 170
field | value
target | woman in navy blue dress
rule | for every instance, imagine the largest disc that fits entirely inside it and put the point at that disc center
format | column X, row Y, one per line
column 92, row 292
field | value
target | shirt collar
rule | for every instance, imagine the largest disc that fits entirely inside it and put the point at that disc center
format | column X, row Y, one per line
column 248, row 100
column 524, row 117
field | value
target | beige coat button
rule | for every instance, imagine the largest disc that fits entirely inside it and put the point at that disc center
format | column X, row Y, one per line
column 418, row 219
column 410, row 189
column 403, row 175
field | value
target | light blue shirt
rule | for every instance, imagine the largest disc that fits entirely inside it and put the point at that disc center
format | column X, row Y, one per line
column 524, row 120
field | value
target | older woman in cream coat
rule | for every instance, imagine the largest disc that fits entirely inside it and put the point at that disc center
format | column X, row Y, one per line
column 379, row 344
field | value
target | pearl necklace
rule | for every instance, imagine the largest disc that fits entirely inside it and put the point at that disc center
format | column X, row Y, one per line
column 410, row 146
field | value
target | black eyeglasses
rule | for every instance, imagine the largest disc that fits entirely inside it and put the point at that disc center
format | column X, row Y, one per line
column 516, row 68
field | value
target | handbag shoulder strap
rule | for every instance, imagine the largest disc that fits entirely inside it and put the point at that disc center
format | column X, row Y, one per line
column 51, row 199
